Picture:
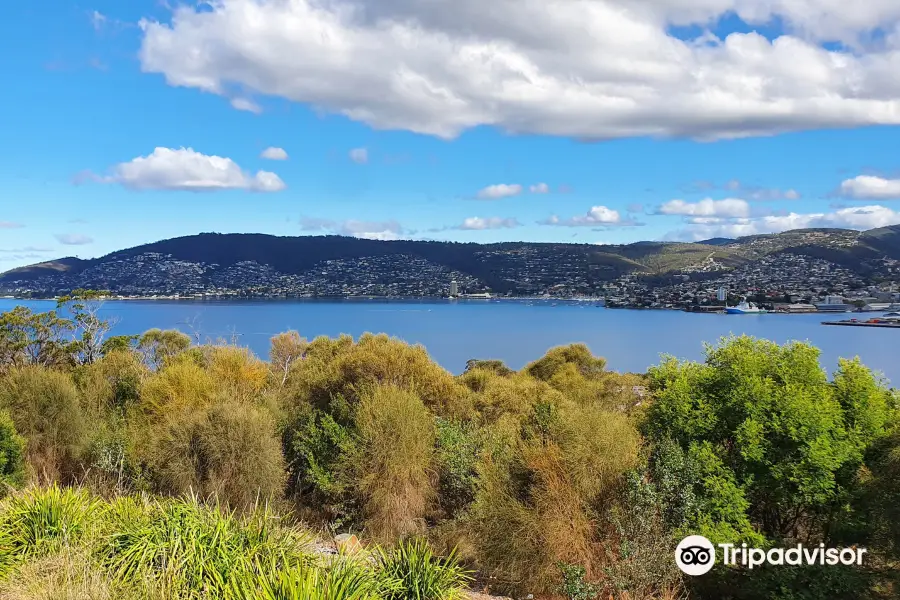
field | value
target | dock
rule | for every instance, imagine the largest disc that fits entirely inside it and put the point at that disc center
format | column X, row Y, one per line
column 891, row 324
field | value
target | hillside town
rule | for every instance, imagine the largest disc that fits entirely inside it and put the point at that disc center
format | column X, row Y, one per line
column 792, row 282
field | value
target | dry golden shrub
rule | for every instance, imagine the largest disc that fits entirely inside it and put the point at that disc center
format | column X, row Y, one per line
column 236, row 372
column 230, row 450
column 180, row 386
column 341, row 368
column 394, row 464
column 46, row 411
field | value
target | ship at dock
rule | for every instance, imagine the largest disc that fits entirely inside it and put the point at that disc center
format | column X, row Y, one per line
column 745, row 308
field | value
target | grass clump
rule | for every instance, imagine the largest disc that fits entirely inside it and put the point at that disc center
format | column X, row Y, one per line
column 420, row 574
column 188, row 548
column 40, row 522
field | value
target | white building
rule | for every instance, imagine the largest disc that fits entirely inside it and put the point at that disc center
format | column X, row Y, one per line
column 454, row 288
column 721, row 295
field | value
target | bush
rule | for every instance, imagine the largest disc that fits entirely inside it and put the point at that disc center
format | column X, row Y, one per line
column 45, row 409
column 228, row 450
column 393, row 464
column 340, row 368
column 12, row 455
column 456, row 454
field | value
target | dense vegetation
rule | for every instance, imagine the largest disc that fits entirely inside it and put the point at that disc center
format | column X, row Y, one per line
column 151, row 467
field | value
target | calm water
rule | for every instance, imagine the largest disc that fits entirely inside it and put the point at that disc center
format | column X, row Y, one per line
column 514, row 331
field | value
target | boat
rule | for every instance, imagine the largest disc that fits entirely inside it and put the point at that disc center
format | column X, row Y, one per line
column 833, row 304
column 744, row 308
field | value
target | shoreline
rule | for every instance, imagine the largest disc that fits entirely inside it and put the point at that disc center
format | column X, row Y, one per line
column 599, row 302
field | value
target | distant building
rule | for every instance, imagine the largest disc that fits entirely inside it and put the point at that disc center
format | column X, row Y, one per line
column 721, row 295
column 454, row 288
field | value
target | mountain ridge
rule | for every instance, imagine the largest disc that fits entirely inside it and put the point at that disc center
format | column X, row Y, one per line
column 211, row 261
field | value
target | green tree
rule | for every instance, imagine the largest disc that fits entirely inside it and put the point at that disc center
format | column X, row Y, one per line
column 769, row 432
column 29, row 338
column 160, row 345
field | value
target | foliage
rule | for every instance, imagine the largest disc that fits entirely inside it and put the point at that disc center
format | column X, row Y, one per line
column 45, row 408
column 574, row 587
column 158, row 346
column 769, row 436
column 12, row 455
column 561, row 465
column 421, row 574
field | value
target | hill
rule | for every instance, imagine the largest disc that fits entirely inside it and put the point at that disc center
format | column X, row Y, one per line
column 259, row 264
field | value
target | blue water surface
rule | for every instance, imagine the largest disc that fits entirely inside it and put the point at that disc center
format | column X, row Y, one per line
column 515, row 331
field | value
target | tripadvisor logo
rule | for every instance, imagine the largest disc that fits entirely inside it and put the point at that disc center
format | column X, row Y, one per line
column 696, row 555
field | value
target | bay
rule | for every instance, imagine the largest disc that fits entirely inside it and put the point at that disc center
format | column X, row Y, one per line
column 515, row 331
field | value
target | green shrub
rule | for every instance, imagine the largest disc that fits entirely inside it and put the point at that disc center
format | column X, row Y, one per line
column 420, row 574
column 12, row 455
column 456, row 455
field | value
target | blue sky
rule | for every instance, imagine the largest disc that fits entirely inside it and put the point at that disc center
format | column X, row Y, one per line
column 129, row 123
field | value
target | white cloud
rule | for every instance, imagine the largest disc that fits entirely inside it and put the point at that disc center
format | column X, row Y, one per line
column 869, row 187
column 273, row 153
column 539, row 188
column 599, row 216
column 10, row 225
column 98, row 20
column 187, row 170
column 359, row 156
column 73, row 239
column 479, row 224
column 857, row 217
column 371, row 230
column 246, row 105
column 500, row 190
column 729, row 207
column 592, row 69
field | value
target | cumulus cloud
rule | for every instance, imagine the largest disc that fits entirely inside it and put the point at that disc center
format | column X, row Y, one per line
column 10, row 225
column 359, row 155
column 499, row 190
column 597, row 216
column 593, row 69
column 729, row 207
column 187, row 170
column 479, row 223
column 73, row 239
column 539, row 188
column 371, row 230
column 857, row 217
column 273, row 153
column 869, row 187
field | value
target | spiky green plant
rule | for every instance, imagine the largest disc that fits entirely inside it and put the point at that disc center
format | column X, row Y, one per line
column 38, row 522
column 195, row 549
column 421, row 574
column 342, row 579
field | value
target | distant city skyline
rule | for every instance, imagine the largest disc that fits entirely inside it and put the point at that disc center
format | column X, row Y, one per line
column 587, row 122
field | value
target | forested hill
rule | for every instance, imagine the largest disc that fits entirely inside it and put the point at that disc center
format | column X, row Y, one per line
column 329, row 264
